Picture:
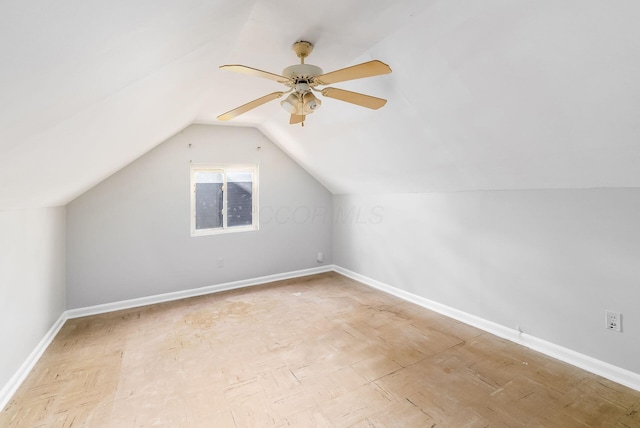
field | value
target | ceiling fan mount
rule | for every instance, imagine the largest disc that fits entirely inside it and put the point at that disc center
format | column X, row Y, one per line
column 302, row 80
column 302, row 49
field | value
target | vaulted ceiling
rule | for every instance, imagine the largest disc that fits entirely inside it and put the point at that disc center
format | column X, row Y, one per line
column 493, row 94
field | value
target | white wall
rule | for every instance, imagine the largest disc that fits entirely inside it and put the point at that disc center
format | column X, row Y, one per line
column 548, row 261
column 129, row 236
column 32, row 281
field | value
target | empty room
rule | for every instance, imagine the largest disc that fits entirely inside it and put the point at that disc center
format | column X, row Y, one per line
column 414, row 213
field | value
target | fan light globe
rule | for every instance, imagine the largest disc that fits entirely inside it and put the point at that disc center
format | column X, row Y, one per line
column 310, row 103
column 291, row 104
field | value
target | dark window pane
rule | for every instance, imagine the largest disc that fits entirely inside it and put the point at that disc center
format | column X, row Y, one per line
column 208, row 199
column 239, row 199
column 208, row 205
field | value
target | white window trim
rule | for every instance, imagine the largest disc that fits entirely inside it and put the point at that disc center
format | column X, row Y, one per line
column 194, row 168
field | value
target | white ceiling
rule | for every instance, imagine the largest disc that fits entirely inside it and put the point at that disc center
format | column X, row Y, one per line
column 493, row 94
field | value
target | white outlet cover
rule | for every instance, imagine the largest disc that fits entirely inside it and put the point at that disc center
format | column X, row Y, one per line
column 614, row 321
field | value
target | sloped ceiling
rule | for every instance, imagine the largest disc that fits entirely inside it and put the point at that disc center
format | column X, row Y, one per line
column 494, row 94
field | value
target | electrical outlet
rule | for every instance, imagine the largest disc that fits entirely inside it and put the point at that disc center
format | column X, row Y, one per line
column 614, row 321
column 220, row 262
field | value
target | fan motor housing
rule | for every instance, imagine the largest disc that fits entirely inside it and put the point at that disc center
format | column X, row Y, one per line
column 299, row 71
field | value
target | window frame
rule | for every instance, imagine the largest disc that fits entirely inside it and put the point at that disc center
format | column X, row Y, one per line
column 224, row 169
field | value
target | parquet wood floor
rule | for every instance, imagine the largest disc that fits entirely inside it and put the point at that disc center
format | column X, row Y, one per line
column 320, row 351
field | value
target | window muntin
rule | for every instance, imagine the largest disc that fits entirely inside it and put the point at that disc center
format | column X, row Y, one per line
column 223, row 199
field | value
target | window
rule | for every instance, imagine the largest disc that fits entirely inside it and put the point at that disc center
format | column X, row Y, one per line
column 223, row 199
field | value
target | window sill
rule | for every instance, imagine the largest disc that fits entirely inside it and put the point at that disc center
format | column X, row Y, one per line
column 220, row 231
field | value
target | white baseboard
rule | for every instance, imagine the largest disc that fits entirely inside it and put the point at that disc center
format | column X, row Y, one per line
column 600, row 368
column 16, row 380
column 177, row 295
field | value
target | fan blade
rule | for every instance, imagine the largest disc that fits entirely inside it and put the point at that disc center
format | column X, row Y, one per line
column 249, row 106
column 296, row 119
column 255, row 72
column 366, row 69
column 354, row 98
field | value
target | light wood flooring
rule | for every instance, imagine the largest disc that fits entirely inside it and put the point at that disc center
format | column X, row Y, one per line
column 320, row 351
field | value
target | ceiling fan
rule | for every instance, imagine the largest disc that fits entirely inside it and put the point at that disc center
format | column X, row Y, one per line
column 303, row 79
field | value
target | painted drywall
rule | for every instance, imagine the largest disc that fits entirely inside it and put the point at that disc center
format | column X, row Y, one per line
column 129, row 236
column 549, row 262
column 32, row 281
